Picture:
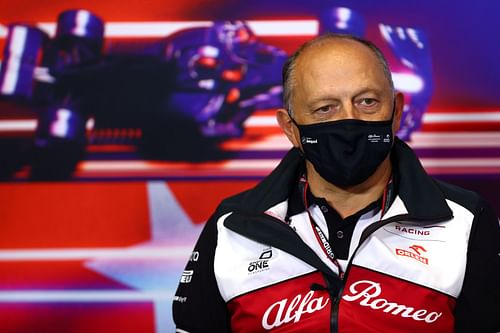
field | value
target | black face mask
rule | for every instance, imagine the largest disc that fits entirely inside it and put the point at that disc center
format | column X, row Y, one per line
column 346, row 152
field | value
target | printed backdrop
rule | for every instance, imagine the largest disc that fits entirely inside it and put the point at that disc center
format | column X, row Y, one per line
column 123, row 124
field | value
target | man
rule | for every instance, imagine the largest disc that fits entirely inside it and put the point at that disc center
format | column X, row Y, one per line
column 348, row 233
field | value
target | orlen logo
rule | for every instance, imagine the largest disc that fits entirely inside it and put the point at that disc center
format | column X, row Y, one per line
column 415, row 253
column 366, row 293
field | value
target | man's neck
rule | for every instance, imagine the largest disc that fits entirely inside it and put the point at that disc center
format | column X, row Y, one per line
column 350, row 200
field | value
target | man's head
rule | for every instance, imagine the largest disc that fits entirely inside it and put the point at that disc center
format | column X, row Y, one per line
column 340, row 108
column 335, row 77
column 290, row 66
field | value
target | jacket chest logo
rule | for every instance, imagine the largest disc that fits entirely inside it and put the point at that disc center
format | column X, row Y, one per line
column 261, row 264
column 415, row 252
column 366, row 293
column 284, row 311
column 419, row 233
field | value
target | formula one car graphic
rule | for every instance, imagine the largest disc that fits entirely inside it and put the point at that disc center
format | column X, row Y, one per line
column 222, row 75
column 185, row 93
column 177, row 98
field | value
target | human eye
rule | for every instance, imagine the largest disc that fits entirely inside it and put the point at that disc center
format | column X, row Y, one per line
column 368, row 105
column 324, row 109
column 368, row 102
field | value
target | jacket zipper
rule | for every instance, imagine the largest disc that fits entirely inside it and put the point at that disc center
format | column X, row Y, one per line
column 364, row 236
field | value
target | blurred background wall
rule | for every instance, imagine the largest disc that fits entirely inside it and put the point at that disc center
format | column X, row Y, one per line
column 123, row 124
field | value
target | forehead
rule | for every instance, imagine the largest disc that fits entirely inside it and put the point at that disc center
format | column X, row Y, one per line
column 339, row 62
column 338, row 49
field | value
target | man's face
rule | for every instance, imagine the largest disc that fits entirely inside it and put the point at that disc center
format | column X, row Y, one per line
column 340, row 79
column 336, row 80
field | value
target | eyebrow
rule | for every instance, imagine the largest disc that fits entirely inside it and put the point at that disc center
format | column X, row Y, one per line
column 327, row 98
column 319, row 100
column 378, row 92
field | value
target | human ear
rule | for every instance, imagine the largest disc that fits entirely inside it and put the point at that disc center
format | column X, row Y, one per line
column 288, row 127
column 398, row 111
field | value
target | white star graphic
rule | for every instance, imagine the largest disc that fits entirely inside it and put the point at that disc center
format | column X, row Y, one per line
column 171, row 229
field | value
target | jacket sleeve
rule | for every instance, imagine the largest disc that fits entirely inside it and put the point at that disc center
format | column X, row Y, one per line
column 478, row 306
column 198, row 305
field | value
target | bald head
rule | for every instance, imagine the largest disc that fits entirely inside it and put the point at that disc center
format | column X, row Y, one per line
column 351, row 47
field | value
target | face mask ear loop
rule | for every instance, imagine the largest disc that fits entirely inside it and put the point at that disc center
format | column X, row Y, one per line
column 392, row 120
column 295, row 123
column 393, row 109
column 293, row 120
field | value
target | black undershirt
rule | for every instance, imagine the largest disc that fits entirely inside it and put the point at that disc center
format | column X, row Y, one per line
column 340, row 230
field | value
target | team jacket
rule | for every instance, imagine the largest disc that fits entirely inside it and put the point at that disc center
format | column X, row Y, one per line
column 430, row 264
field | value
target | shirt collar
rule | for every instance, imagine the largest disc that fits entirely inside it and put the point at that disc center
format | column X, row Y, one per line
column 296, row 203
